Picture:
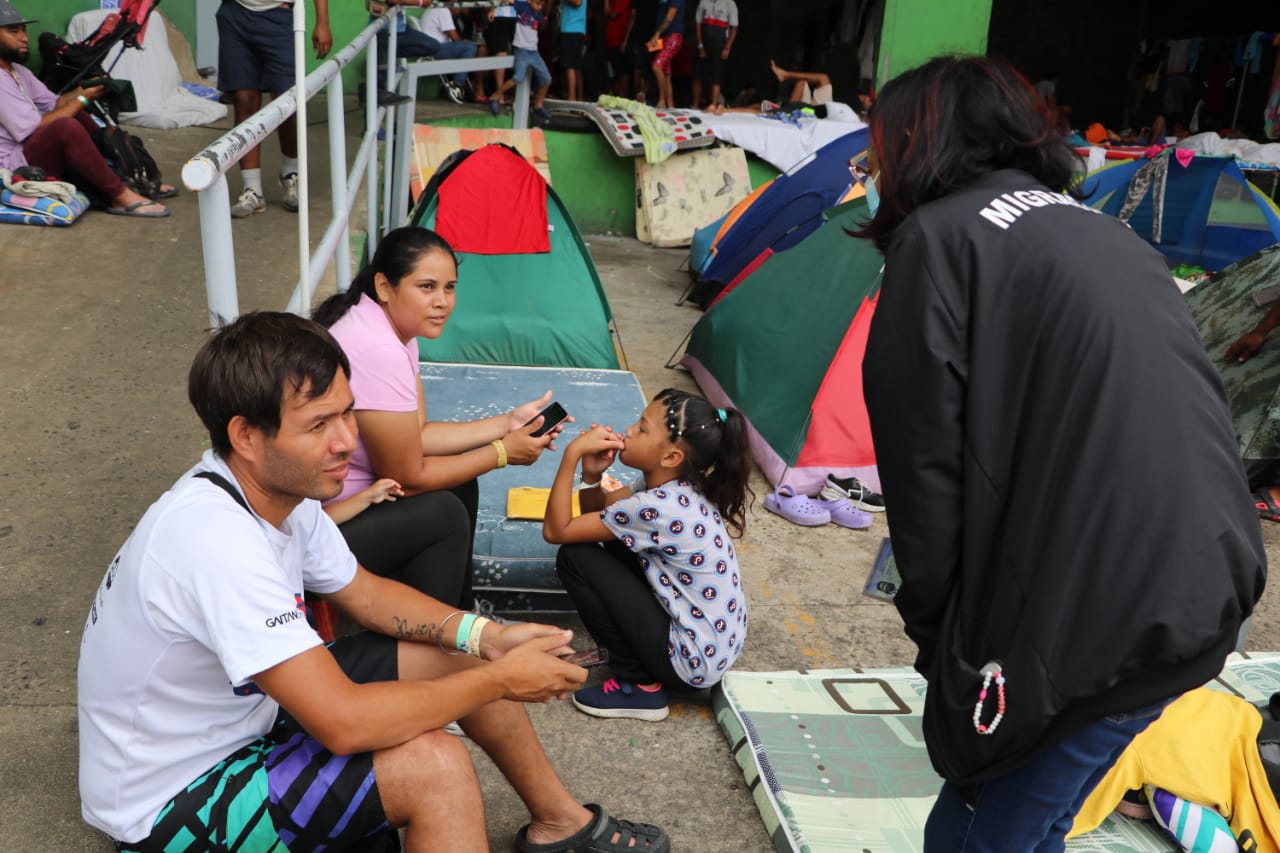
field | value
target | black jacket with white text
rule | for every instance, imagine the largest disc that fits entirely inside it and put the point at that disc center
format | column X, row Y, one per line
column 1060, row 467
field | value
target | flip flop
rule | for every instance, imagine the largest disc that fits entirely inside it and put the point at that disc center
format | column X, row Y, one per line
column 845, row 514
column 797, row 509
column 1267, row 508
column 170, row 192
column 133, row 210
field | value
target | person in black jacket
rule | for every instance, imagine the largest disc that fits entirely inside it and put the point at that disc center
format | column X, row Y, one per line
column 1039, row 398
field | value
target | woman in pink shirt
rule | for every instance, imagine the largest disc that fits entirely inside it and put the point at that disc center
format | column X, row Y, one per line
column 424, row 539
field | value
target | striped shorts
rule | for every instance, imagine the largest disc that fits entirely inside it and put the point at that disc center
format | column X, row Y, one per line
column 283, row 793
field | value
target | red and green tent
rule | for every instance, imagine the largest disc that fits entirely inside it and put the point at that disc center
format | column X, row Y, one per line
column 785, row 348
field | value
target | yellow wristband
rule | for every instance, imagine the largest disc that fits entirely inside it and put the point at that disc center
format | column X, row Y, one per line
column 502, row 452
column 473, row 637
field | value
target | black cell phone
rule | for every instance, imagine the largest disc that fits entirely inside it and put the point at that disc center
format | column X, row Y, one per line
column 552, row 415
column 94, row 81
column 591, row 657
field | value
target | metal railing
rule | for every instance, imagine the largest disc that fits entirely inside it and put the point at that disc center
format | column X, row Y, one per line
column 205, row 174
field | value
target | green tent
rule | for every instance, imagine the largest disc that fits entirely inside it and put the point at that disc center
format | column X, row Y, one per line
column 539, row 308
column 784, row 346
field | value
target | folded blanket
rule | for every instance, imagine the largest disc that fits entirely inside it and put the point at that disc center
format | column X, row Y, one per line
column 61, row 190
column 659, row 138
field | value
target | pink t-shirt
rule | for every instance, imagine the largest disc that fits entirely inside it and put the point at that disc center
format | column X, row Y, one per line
column 384, row 376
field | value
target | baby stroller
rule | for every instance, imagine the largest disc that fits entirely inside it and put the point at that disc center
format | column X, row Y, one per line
column 66, row 66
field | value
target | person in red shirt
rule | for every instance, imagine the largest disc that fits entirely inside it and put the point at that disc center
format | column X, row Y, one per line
column 619, row 19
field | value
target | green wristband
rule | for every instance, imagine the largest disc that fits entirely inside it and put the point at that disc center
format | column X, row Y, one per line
column 464, row 632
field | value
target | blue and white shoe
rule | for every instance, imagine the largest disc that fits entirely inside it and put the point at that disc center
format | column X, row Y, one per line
column 623, row 700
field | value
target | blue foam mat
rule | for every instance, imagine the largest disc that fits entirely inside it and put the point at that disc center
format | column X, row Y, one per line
column 514, row 567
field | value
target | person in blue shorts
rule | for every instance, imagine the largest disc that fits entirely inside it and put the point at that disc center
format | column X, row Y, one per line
column 211, row 714
column 573, row 45
column 529, row 16
column 255, row 55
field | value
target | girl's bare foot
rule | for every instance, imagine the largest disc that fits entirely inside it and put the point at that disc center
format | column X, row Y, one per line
column 778, row 72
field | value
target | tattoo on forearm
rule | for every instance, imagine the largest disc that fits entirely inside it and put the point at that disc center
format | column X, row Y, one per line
column 422, row 632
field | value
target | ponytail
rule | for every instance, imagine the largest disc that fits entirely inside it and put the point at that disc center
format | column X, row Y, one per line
column 397, row 255
column 718, row 460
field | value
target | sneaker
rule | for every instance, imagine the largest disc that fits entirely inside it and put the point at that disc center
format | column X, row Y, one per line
column 453, row 92
column 494, row 107
column 289, row 183
column 391, row 99
column 485, row 608
column 622, row 699
column 768, row 106
column 858, row 493
column 249, row 203
column 543, row 113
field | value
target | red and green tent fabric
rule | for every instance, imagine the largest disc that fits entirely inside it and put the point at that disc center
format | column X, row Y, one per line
column 785, row 348
column 528, row 291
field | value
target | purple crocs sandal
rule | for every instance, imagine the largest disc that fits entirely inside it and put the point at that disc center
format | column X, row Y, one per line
column 797, row 509
column 846, row 514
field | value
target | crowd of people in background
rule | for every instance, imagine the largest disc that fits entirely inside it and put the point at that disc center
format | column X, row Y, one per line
column 659, row 52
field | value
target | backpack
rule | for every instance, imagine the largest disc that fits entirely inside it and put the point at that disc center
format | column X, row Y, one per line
column 128, row 158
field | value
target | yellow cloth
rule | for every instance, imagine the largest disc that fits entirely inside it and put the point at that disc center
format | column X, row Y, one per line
column 1204, row 749
column 530, row 504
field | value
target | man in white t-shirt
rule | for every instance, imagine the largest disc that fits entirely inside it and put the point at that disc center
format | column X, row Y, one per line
column 211, row 714
column 437, row 39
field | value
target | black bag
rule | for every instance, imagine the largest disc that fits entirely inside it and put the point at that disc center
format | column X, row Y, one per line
column 128, row 158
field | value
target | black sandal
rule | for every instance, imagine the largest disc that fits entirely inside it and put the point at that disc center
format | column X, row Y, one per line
column 597, row 837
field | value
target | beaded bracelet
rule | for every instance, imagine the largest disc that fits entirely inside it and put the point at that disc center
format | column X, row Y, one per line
column 990, row 671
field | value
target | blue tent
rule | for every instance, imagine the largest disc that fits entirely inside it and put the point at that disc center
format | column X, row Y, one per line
column 1211, row 216
column 788, row 210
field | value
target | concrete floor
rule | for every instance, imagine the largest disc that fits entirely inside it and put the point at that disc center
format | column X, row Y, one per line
column 101, row 321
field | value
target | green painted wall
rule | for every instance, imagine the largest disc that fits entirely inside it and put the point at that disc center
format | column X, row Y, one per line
column 596, row 184
column 917, row 30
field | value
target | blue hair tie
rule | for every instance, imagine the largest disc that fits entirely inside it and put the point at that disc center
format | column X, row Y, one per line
column 724, row 416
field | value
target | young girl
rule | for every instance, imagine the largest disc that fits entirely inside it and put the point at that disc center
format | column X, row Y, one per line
column 663, row 594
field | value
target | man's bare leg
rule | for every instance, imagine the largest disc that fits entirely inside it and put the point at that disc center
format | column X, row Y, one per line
column 664, row 88
column 813, row 79
column 502, row 729
column 429, row 786
column 247, row 102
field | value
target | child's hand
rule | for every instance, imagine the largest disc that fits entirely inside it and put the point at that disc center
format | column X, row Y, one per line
column 596, row 440
column 596, row 463
column 385, row 489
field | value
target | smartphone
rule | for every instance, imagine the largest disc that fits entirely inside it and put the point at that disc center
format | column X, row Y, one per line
column 552, row 415
column 592, row 657
column 94, row 81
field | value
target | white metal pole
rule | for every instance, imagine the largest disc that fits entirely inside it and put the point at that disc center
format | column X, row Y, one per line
column 371, row 129
column 219, row 255
column 338, row 180
column 300, row 95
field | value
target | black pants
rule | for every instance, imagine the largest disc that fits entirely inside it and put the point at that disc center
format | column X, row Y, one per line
column 614, row 599
column 423, row 541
